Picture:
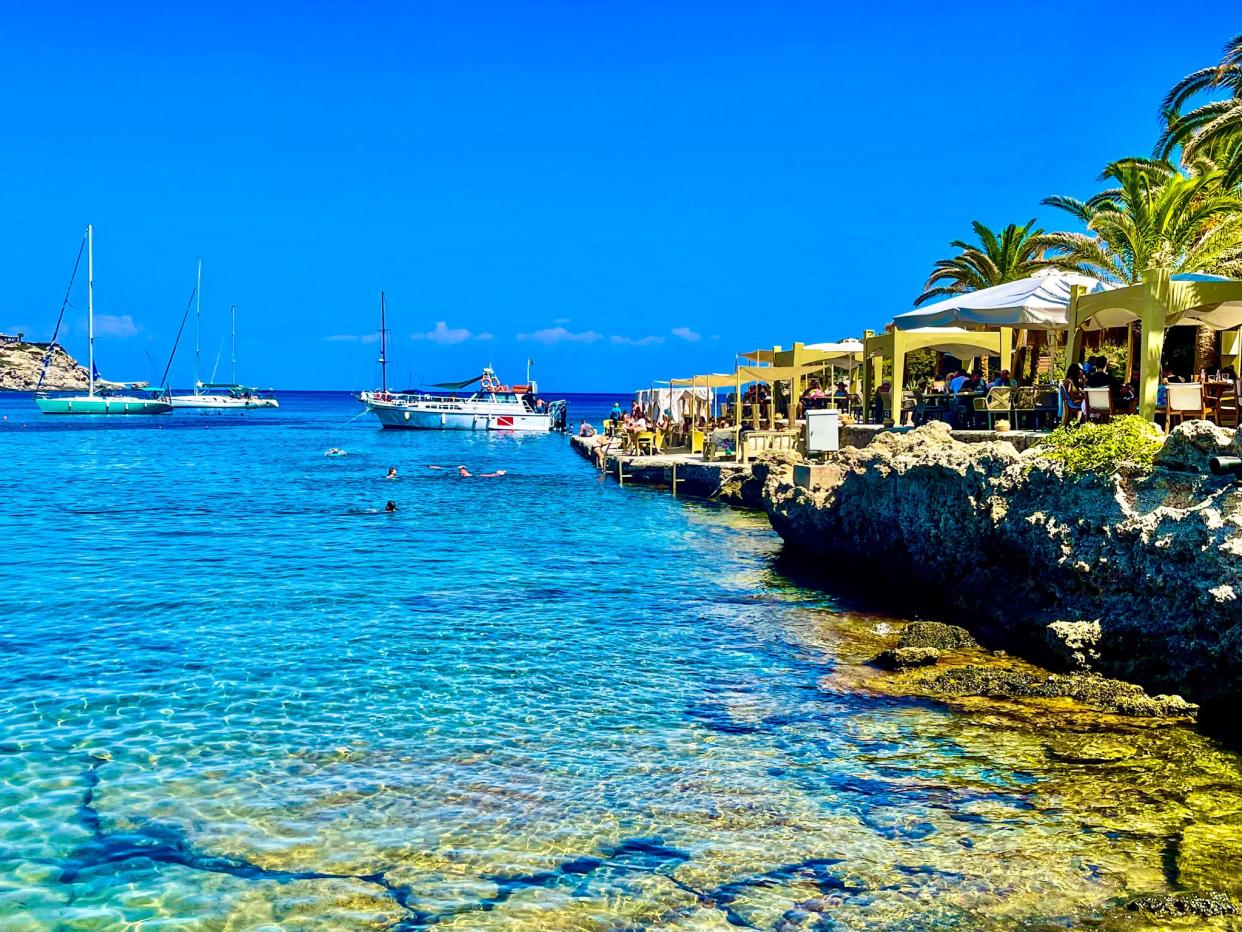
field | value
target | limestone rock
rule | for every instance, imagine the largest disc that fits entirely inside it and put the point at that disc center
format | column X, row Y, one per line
column 1191, row 444
column 1016, row 544
column 21, row 363
column 1073, row 644
column 935, row 635
column 1093, row 691
column 902, row 658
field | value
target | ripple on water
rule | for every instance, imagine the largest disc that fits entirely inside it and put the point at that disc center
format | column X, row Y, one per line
column 233, row 699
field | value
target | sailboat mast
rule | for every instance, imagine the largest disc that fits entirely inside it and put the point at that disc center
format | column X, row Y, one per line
column 383, row 346
column 233, row 358
column 90, row 303
column 198, row 324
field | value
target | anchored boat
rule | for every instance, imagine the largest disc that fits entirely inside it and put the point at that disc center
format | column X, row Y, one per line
column 492, row 406
column 101, row 397
column 217, row 395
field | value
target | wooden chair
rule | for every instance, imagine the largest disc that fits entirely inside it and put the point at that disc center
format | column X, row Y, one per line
column 1183, row 400
column 1099, row 404
column 994, row 404
column 1228, row 407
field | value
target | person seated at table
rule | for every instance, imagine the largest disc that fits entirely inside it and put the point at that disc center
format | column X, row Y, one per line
column 1072, row 398
column 1168, row 375
column 1228, row 374
column 1003, row 380
column 958, row 382
column 877, row 403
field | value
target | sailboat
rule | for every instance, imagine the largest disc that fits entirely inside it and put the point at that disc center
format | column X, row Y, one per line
column 101, row 397
column 218, row 395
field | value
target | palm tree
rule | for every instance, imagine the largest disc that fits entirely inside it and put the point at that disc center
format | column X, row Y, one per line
column 1213, row 129
column 1016, row 253
column 1153, row 216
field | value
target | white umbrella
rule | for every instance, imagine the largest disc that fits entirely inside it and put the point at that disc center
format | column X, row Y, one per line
column 1040, row 302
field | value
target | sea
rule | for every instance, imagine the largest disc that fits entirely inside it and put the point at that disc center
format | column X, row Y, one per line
column 236, row 693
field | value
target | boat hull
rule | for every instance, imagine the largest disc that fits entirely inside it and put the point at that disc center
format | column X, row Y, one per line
column 222, row 403
column 399, row 417
column 87, row 404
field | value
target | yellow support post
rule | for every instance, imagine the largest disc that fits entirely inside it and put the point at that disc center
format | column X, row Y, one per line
column 1073, row 350
column 895, row 387
column 1006, row 350
column 1154, row 316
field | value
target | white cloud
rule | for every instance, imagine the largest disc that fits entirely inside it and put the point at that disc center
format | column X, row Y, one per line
column 445, row 335
column 551, row 335
column 639, row 341
column 686, row 334
column 352, row 338
column 114, row 325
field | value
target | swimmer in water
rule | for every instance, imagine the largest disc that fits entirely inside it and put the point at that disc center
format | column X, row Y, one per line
column 491, row 475
column 463, row 472
column 392, row 472
column 335, row 451
column 390, row 507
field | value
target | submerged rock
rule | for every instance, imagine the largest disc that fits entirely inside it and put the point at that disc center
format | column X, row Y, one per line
column 935, row 635
column 1094, row 691
column 902, row 658
column 1177, row 905
column 1074, row 644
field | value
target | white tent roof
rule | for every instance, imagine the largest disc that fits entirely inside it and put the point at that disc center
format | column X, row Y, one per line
column 1040, row 302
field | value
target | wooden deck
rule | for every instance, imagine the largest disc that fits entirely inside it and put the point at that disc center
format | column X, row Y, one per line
column 683, row 472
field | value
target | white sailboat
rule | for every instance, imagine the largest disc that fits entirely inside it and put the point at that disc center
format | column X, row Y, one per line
column 217, row 395
column 101, row 397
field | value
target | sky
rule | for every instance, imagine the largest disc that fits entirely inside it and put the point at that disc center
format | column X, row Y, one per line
column 621, row 192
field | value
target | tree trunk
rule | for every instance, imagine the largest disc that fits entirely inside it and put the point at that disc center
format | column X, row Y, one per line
column 1205, row 350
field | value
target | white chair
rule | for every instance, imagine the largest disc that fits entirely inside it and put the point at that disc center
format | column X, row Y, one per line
column 1099, row 404
column 1183, row 400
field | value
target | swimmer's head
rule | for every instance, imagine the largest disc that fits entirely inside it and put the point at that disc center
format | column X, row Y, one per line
column 391, row 506
column 392, row 472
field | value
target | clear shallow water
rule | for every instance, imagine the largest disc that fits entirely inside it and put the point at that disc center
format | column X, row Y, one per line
column 232, row 695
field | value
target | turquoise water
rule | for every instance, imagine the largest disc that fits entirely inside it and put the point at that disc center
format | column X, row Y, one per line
column 233, row 694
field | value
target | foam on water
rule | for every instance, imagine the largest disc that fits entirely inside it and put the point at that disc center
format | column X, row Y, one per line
column 235, row 694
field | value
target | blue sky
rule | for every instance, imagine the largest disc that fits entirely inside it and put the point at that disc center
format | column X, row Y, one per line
column 622, row 191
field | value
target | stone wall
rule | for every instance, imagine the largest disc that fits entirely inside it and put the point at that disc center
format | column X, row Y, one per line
column 1142, row 571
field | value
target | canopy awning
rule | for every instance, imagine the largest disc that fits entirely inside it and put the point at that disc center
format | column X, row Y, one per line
column 760, row 355
column 1040, row 302
column 714, row 380
column 956, row 341
column 773, row 373
column 454, row 386
column 1194, row 300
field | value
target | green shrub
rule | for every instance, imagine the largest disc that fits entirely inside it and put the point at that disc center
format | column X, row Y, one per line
column 1102, row 448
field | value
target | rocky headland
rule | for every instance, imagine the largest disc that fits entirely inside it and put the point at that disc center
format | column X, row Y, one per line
column 1133, row 575
column 20, row 364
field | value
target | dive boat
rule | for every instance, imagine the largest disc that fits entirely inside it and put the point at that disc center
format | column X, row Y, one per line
column 493, row 406
column 219, row 395
column 101, row 397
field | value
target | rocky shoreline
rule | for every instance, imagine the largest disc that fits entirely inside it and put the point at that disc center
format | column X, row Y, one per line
column 1134, row 576
column 20, row 364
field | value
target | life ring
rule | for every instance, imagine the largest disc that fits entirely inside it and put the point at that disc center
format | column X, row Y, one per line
column 489, row 384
